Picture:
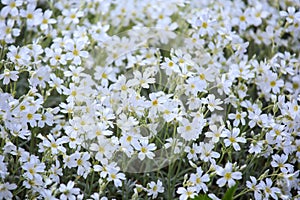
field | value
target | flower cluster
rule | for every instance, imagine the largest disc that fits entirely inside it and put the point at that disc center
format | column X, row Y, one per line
column 105, row 99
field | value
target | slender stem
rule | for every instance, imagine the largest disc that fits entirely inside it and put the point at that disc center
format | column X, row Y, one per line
column 241, row 193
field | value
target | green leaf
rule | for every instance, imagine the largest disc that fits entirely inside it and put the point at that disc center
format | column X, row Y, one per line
column 201, row 197
column 230, row 192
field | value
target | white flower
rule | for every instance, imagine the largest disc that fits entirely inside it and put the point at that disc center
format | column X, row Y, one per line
column 48, row 194
column 105, row 74
column 239, row 117
column 192, row 152
column 207, row 153
column 185, row 194
column 46, row 118
column 33, row 169
column 128, row 139
column 155, row 188
column 145, row 149
column 56, row 56
column 47, row 20
column 216, row 133
column 290, row 15
column 228, row 176
column 114, row 175
column 40, row 76
column 33, row 16
column 157, row 101
column 270, row 82
column 68, row 191
column 170, row 66
column 121, row 85
column 280, row 162
column 55, row 172
column 241, row 19
column 7, row 32
column 176, row 144
column 75, row 51
column 56, row 83
column 233, row 139
column 11, row 7
column 72, row 15
column 199, row 180
column 194, row 86
column 212, row 102
column 9, row 75
column 80, row 160
column 3, row 166
column 126, row 123
column 256, row 147
column 170, row 111
column 205, row 25
column 5, row 190
column 54, row 145
column 254, row 187
column 257, row 14
column 268, row 190
column 102, row 148
column 189, row 130
column 141, row 79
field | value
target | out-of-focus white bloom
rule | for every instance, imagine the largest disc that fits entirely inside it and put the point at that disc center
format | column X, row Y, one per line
column 5, row 188
column 9, row 75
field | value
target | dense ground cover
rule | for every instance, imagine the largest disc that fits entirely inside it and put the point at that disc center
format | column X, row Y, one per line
column 111, row 99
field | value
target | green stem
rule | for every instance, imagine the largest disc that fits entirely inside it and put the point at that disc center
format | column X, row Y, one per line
column 241, row 193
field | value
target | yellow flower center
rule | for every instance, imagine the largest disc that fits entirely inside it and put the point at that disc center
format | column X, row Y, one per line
column 30, row 16
column 53, row 145
column 7, row 30
column 73, row 93
column 76, row 52
column 129, row 138
column 113, row 176
column 232, row 139
column 22, row 107
column 188, row 128
column 45, row 21
column 227, row 176
column 104, row 76
column 273, row 83
column 170, row 64
column 242, row 18
column 143, row 150
column 31, row 171
column 296, row 108
column 29, row 116
column 124, row 87
column 73, row 16
column 12, row 4
column 155, row 102
column 202, row 77
column 17, row 56
column 79, row 162
column 57, row 57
